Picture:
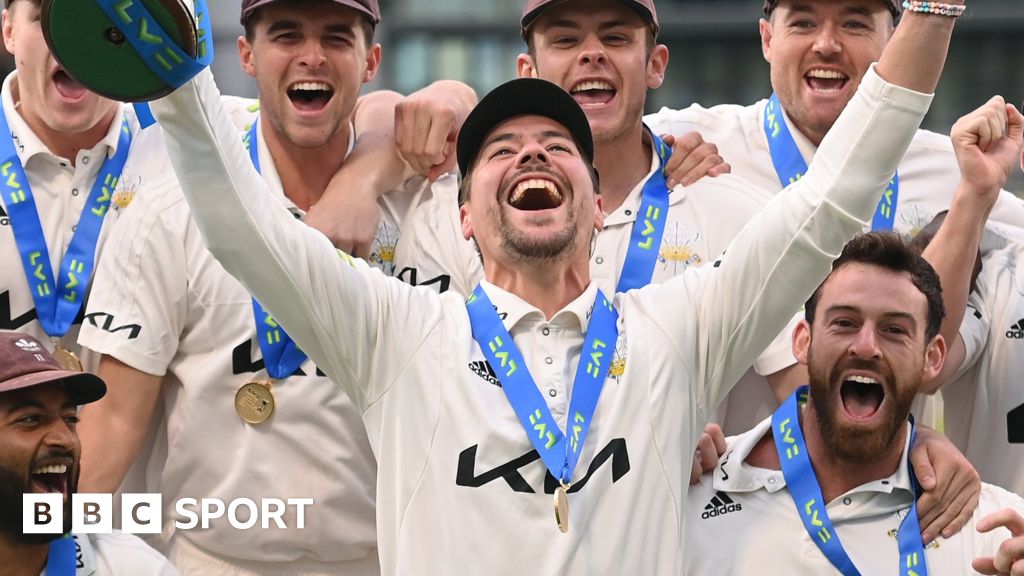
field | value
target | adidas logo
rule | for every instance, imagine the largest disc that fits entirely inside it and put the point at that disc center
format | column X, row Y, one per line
column 27, row 345
column 720, row 505
column 1016, row 332
column 482, row 368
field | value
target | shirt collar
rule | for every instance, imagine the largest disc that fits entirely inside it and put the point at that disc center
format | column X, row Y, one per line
column 28, row 144
column 268, row 170
column 803, row 144
column 512, row 309
column 733, row 475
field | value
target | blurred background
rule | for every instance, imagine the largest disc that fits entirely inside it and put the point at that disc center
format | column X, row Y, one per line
column 715, row 54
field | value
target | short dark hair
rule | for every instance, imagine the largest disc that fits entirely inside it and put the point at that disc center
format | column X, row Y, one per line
column 891, row 251
column 369, row 28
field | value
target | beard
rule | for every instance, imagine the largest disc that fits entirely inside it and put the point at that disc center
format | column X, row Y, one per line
column 856, row 443
column 531, row 248
column 13, row 486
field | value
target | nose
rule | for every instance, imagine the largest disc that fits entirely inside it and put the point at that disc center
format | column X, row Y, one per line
column 61, row 435
column 592, row 52
column 865, row 344
column 532, row 153
column 827, row 41
column 312, row 55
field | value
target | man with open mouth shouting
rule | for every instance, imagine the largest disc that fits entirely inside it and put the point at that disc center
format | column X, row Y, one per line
column 39, row 453
column 827, row 487
column 503, row 444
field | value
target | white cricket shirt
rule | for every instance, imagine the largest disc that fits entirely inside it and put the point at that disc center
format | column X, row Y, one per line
column 988, row 424
column 197, row 329
column 60, row 191
column 459, row 488
column 742, row 520
column 117, row 554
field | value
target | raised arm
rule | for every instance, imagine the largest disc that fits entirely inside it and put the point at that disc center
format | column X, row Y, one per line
column 987, row 144
column 346, row 318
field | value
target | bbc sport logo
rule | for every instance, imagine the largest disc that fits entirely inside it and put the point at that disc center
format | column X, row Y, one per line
column 143, row 513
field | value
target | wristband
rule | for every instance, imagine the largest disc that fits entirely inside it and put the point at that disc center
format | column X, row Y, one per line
column 951, row 10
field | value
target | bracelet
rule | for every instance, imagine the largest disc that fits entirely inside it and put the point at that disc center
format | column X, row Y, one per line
column 952, row 10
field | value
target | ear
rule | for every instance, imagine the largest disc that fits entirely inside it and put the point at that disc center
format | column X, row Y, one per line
column 656, row 66
column 526, row 67
column 245, row 56
column 599, row 214
column 8, row 29
column 766, row 39
column 801, row 341
column 934, row 357
column 466, row 220
column 372, row 62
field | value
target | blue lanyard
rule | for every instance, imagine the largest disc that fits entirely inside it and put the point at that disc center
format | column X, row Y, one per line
column 63, row 557
column 280, row 354
column 803, row 487
column 649, row 226
column 155, row 46
column 560, row 452
column 57, row 302
column 790, row 165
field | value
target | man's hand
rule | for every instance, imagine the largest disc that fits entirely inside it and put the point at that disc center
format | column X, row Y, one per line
column 709, row 449
column 1009, row 559
column 427, row 123
column 692, row 159
column 951, row 485
column 987, row 144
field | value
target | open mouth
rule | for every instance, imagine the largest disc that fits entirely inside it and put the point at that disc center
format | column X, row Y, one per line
column 310, row 96
column 51, row 479
column 821, row 80
column 862, row 396
column 593, row 92
column 67, row 88
column 535, row 194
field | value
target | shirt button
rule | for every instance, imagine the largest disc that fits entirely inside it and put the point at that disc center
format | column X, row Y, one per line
column 552, row 393
column 74, row 228
column 85, row 160
column 771, row 480
column 545, row 331
column 74, row 191
column 599, row 260
column 847, row 501
column 549, row 360
column 629, row 212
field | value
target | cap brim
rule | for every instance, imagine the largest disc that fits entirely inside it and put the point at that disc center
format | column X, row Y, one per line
column 520, row 97
column 82, row 387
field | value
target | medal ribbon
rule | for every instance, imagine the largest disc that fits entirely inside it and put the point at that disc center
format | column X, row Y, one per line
column 280, row 354
column 559, row 451
column 155, row 46
column 57, row 304
column 649, row 226
column 63, row 557
column 811, row 506
column 790, row 166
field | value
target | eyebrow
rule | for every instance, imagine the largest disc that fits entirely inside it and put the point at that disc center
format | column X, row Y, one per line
column 887, row 315
column 517, row 136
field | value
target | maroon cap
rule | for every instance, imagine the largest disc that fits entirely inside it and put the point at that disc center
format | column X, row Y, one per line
column 893, row 6
column 368, row 7
column 25, row 362
column 533, row 8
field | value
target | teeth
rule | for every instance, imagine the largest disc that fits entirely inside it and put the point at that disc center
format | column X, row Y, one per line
column 826, row 74
column 862, row 380
column 54, row 469
column 311, row 86
column 592, row 85
column 534, row 184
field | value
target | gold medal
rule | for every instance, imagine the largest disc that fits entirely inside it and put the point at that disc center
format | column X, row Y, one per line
column 254, row 402
column 67, row 360
column 562, row 508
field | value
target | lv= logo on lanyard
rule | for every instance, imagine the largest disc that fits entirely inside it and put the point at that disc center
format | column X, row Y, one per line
column 649, row 226
column 790, row 166
column 58, row 299
column 810, row 504
column 254, row 401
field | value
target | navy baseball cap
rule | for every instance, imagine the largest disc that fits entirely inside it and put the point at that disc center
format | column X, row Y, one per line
column 367, row 7
column 520, row 97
